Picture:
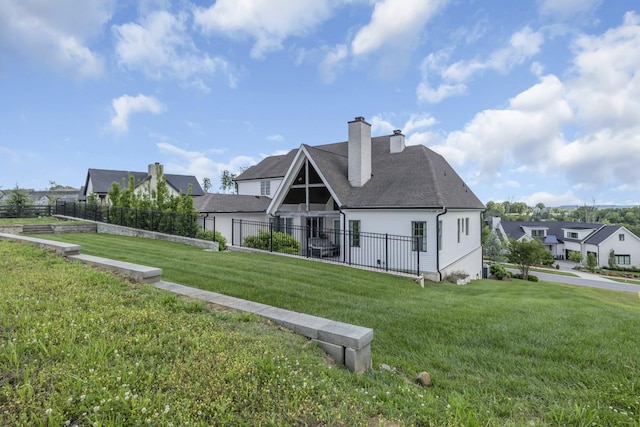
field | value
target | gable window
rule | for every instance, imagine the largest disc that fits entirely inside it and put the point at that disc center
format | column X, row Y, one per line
column 466, row 225
column 265, row 188
column 354, row 233
column 623, row 259
column 621, row 237
column 419, row 234
column 537, row 233
column 459, row 229
column 572, row 235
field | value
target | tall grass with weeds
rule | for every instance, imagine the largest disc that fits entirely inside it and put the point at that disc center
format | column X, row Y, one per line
column 499, row 353
column 81, row 347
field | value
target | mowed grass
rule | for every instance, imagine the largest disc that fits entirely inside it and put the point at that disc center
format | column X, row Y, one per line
column 499, row 353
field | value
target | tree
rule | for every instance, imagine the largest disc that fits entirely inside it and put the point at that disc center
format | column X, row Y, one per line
column 206, row 184
column 494, row 209
column 227, row 183
column 492, row 247
column 525, row 254
column 575, row 256
column 18, row 200
column 592, row 262
column 612, row 259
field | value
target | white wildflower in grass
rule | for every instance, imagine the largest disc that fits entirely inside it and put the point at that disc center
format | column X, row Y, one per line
column 82, row 397
column 91, row 371
column 144, row 410
column 95, row 424
column 166, row 408
column 68, row 422
column 96, row 408
column 48, row 411
column 70, row 400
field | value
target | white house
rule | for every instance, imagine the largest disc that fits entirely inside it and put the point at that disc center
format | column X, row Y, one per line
column 562, row 237
column 348, row 191
column 99, row 182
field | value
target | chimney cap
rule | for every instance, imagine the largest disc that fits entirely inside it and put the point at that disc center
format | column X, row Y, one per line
column 359, row 119
column 397, row 132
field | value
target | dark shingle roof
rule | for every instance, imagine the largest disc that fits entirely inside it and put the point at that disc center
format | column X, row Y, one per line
column 603, row 234
column 415, row 177
column 554, row 228
column 222, row 203
column 181, row 183
column 270, row 167
column 103, row 178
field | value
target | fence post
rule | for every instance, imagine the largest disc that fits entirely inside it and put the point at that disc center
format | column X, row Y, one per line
column 270, row 236
column 240, row 233
column 417, row 255
column 386, row 252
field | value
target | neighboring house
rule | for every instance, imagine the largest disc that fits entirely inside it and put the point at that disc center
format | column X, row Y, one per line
column 373, row 185
column 562, row 237
column 99, row 182
column 45, row 197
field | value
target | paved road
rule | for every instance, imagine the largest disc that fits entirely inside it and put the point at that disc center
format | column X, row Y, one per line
column 586, row 279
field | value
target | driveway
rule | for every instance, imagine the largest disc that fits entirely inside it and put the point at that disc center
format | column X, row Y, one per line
column 584, row 279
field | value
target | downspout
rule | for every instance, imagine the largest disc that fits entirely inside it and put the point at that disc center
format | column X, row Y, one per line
column 344, row 234
column 438, row 233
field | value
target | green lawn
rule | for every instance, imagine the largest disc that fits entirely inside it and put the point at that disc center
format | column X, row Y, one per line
column 499, row 353
column 39, row 220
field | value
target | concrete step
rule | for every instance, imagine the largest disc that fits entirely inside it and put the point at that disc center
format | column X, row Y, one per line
column 37, row 229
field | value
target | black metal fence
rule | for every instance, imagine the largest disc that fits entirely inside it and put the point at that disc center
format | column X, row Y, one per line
column 380, row 251
column 162, row 222
column 31, row 211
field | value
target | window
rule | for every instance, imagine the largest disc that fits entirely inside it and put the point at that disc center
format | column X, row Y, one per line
column 572, row 235
column 466, row 226
column 354, row 233
column 419, row 234
column 459, row 229
column 315, row 227
column 285, row 225
column 621, row 237
column 537, row 233
column 440, row 234
column 265, row 188
column 623, row 259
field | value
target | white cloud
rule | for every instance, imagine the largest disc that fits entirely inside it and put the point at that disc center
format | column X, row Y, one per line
column 452, row 79
column 268, row 22
column 564, row 9
column 126, row 105
column 394, row 23
column 160, row 47
column 332, row 62
column 198, row 163
column 275, row 138
column 57, row 33
column 528, row 132
column 585, row 129
column 549, row 199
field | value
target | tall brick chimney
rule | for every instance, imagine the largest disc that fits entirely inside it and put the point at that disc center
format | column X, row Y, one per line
column 359, row 152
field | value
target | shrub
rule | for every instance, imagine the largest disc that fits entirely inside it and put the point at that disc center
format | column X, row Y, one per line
column 217, row 237
column 498, row 271
column 276, row 242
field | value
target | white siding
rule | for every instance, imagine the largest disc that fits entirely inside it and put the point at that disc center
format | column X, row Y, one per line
column 252, row 188
column 222, row 222
column 629, row 246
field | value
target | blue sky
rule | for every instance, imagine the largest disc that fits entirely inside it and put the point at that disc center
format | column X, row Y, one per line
column 529, row 100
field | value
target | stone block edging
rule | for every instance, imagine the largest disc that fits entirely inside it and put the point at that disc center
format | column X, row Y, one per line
column 349, row 345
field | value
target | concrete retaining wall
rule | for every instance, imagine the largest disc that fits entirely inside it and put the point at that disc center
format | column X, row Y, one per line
column 127, row 231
